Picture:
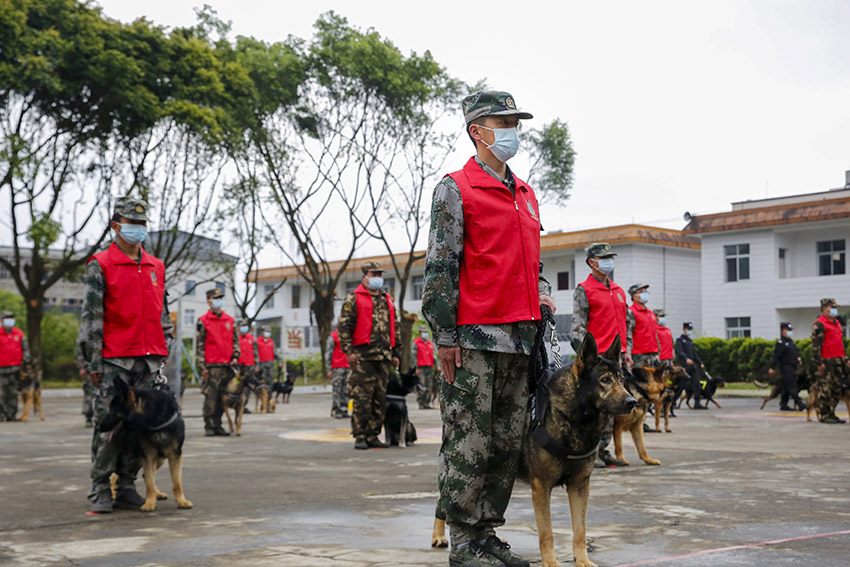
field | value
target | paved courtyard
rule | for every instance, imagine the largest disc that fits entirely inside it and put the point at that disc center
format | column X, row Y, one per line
column 737, row 486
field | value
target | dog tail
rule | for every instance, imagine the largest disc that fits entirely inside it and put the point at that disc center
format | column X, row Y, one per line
column 761, row 385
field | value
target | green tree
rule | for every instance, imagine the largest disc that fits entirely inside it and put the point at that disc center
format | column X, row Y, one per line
column 552, row 162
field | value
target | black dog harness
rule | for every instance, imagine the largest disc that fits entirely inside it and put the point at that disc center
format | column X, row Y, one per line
column 539, row 378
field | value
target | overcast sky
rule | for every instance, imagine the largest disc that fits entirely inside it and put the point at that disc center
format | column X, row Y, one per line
column 673, row 106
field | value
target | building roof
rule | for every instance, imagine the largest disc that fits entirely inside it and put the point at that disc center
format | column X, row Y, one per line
column 776, row 215
column 629, row 233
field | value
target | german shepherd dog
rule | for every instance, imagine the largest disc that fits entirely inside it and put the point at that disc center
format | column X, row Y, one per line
column 671, row 377
column 151, row 416
column 235, row 396
column 397, row 427
column 581, row 399
column 647, row 386
column 30, row 394
column 803, row 383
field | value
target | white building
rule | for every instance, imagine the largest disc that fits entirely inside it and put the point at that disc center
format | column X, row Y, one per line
column 770, row 261
column 665, row 259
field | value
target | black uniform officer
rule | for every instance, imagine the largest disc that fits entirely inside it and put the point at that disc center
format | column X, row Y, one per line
column 686, row 356
column 786, row 356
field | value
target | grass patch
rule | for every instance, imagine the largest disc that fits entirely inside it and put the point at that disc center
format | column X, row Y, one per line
column 741, row 386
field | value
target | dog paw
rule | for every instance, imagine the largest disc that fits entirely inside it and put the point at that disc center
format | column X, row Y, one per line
column 439, row 542
column 161, row 495
column 585, row 563
column 652, row 461
column 555, row 563
column 149, row 506
column 669, row 430
column 184, row 504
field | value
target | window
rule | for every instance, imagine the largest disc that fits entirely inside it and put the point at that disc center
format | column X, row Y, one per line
column 349, row 286
column 296, row 297
column 737, row 262
column 190, row 287
column 189, row 317
column 311, row 337
column 5, row 274
column 268, row 290
column 783, row 254
column 389, row 286
column 219, row 285
column 563, row 280
column 737, row 327
column 831, row 259
column 562, row 327
column 418, row 286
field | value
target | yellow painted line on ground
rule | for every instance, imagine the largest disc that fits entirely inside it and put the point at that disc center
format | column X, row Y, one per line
column 425, row 435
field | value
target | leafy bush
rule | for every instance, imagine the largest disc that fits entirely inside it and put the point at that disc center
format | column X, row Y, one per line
column 306, row 370
column 58, row 335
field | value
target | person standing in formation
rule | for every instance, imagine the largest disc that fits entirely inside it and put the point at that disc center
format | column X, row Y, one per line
column 642, row 327
column 665, row 339
column 425, row 357
column 830, row 361
column 337, row 365
column 14, row 353
column 217, row 353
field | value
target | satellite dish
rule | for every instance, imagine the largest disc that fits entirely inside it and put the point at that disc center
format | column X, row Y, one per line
column 688, row 216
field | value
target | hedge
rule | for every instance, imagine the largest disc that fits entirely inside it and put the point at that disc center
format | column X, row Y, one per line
column 745, row 359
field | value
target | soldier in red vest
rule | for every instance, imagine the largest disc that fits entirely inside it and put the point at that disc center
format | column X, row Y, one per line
column 267, row 354
column 14, row 353
column 482, row 297
column 338, row 369
column 249, row 358
column 125, row 334
column 665, row 339
column 599, row 308
column 217, row 351
column 830, row 360
column 368, row 335
column 426, row 358
column 642, row 328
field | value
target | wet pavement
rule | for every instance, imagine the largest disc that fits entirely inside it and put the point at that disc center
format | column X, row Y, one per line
column 737, row 486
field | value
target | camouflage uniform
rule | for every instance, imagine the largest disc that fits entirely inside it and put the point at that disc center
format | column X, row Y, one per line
column 367, row 382
column 647, row 360
column 484, row 409
column 430, row 386
column 113, row 453
column 219, row 375
column 339, row 382
column 267, row 367
column 10, row 380
column 834, row 379
column 88, row 388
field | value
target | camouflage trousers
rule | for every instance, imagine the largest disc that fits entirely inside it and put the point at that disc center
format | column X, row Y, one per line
column 828, row 386
column 666, row 363
column 88, row 398
column 649, row 360
column 484, row 415
column 367, row 386
column 266, row 372
column 339, row 387
column 115, row 453
column 426, row 379
column 9, row 385
column 608, row 429
column 213, row 390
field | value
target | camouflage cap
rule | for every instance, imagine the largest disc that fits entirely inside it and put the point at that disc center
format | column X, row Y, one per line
column 659, row 312
column 783, row 326
column 215, row 292
column 637, row 287
column 372, row 266
column 265, row 328
column 490, row 103
column 828, row 302
column 244, row 323
column 7, row 315
column 133, row 209
column 599, row 250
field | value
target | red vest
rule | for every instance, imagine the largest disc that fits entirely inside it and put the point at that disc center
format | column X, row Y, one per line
column 132, row 304
column 665, row 337
column 607, row 317
column 833, row 338
column 246, row 349
column 11, row 347
column 218, row 346
column 644, row 335
column 339, row 360
column 266, row 349
column 363, row 329
column 424, row 352
column 501, row 250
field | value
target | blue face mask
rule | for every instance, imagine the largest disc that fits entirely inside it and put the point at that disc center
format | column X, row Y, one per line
column 644, row 296
column 662, row 320
column 217, row 303
column 243, row 329
column 833, row 312
column 267, row 334
column 688, row 333
column 133, row 233
column 506, row 143
column 606, row 265
column 376, row 283
column 8, row 323
column 789, row 334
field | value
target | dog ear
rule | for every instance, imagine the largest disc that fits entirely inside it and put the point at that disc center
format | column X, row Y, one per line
column 121, row 388
column 613, row 352
column 587, row 353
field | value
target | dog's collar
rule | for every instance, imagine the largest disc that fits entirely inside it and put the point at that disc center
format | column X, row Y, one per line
column 631, row 382
column 395, row 397
column 539, row 405
column 171, row 420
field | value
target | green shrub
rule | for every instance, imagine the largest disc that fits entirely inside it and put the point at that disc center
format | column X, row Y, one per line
column 306, row 370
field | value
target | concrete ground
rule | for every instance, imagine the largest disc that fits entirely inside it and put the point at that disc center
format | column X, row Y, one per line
column 737, row 486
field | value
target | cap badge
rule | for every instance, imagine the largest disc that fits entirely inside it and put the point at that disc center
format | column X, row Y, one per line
column 140, row 209
column 509, row 102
